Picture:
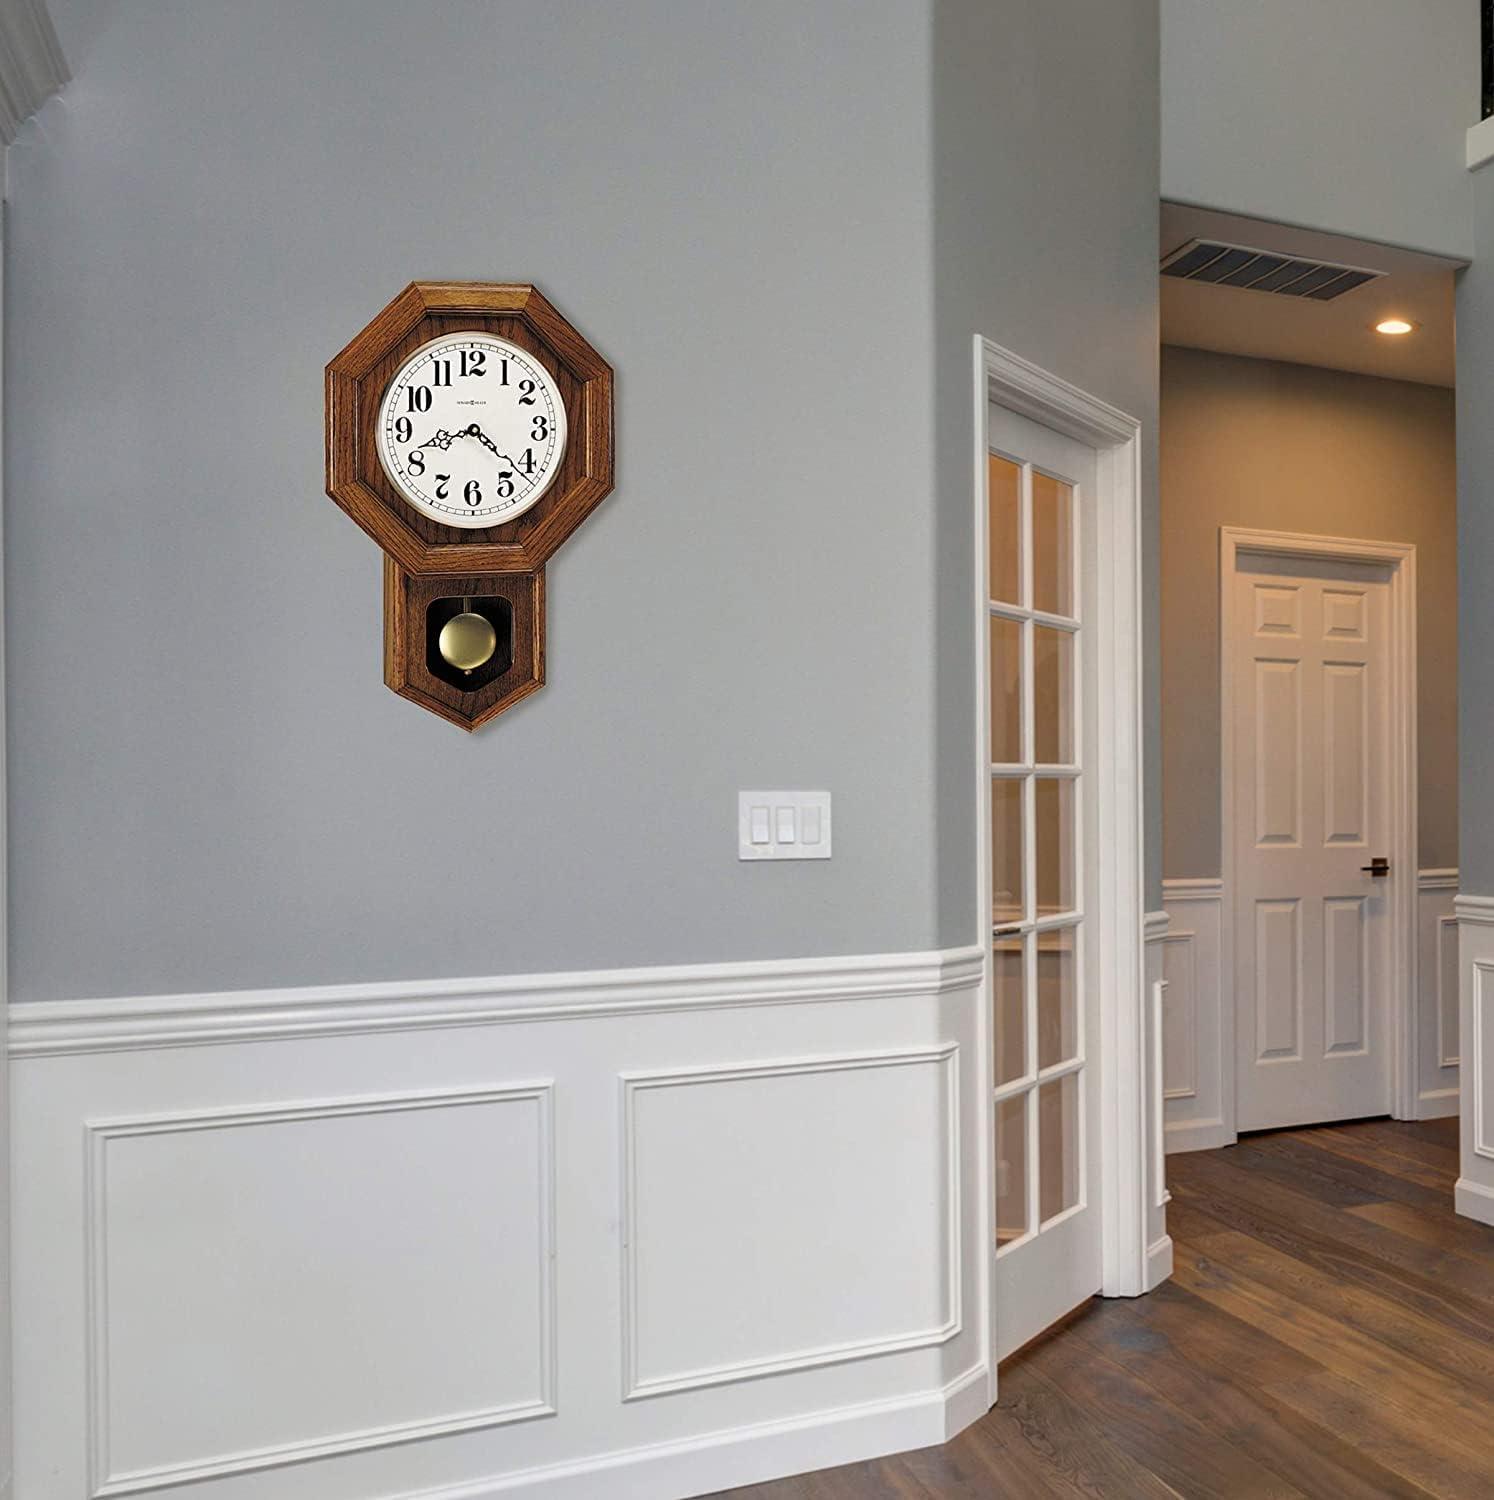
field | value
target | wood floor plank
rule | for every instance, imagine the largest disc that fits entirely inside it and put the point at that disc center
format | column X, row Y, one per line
column 1328, row 1333
column 1440, row 1339
column 1062, row 1431
column 1333, row 1338
column 1357, row 1145
column 1455, row 1235
column 1208, row 1377
column 1245, row 1199
column 1392, row 1137
column 1420, row 1450
column 1334, row 1166
column 1167, row 1439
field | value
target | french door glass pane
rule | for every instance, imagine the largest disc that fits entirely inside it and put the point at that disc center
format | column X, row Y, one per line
column 1011, row 1168
column 1057, row 996
column 1053, row 695
column 1006, row 690
column 1006, row 850
column 1058, row 1145
column 1010, row 1025
column 1054, row 837
column 1004, row 491
column 1052, row 545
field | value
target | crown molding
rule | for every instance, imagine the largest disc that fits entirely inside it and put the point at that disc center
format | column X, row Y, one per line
column 32, row 67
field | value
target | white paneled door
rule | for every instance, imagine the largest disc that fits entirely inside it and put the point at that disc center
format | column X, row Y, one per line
column 1045, row 1025
column 1309, row 719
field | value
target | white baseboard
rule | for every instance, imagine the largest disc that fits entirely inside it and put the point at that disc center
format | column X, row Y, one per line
column 1437, row 1104
column 1197, row 1135
column 1474, row 1201
column 1158, row 1262
column 755, row 1455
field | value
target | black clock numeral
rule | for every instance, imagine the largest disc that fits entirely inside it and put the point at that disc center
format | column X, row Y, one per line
column 416, row 460
column 420, row 397
column 472, row 492
column 440, row 372
column 404, row 430
column 506, row 485
column 541, row 429
column 473, row 361
column 527, row 462
column 526, row 396
column 442, row 480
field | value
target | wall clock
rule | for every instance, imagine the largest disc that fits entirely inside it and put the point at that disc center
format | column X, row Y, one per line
column 469, row 432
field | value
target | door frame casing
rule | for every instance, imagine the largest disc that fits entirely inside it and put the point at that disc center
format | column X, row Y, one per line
column 1401, row 1010
column 1115, row 921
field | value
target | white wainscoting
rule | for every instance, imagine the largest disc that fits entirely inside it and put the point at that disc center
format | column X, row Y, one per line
column 1475, row 1189
column 1197, row 1077
column 1158, row 1241
column 1437, row 994
column 1198, row 1057
column 633, row 1235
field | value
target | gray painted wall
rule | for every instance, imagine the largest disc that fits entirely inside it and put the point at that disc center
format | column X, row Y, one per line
column 1476, row 548
column 1345, row 115
column 1249, row 442
column 1045, row 225
column 741, row 205
column 210, row 785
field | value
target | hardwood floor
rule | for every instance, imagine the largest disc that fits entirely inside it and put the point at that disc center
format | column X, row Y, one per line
column 1328, row 1332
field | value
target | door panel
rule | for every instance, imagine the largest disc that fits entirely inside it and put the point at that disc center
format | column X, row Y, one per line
column 1309, row 722
column 1045, row 1023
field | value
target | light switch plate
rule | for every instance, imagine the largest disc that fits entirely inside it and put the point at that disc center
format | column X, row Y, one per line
column 783, row 825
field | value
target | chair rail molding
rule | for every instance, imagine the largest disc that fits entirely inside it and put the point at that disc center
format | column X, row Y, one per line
column 318, row 1242
column 32, row 67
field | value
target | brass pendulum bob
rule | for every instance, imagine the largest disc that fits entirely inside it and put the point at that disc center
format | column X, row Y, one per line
column 468, row 640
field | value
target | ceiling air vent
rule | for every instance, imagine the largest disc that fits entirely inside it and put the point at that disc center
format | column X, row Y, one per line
column 1263, row 270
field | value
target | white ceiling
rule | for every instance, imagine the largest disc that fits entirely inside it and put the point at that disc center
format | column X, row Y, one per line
column 1339, row 334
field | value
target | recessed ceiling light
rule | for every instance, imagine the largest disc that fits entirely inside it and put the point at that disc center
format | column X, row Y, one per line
column 1395, row 326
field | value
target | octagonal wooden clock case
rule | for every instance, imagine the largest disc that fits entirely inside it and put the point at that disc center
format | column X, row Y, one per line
column 469, row 432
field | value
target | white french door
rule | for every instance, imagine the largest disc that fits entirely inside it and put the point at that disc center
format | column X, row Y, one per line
column 1044, row 1023
column 1309, row 714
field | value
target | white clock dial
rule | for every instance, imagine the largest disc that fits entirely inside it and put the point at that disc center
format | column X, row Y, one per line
column 472, row 430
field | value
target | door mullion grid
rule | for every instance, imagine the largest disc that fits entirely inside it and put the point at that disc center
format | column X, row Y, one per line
column 1029, row 855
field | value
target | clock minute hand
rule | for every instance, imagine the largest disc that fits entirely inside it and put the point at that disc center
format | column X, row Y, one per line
column 473, row 430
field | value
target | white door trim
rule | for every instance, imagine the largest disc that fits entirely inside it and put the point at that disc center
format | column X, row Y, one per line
column 1400, row 558
column 1115, row 924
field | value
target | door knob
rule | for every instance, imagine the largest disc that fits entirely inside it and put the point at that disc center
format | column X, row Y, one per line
column 1379, row 865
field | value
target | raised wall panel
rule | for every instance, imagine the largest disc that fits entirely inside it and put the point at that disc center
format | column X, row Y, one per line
column 1447, row 992
column 1278, row 753
column 1278, row 980
column 1345, row 762
column 1344, row 614
column 752, row 1198
column 379, row 1268
column 1346, row 979
column 1437, row 1021
column 1194, row 1101
column 1179, row 1016
column 1480, row 1055
column 1278, row 609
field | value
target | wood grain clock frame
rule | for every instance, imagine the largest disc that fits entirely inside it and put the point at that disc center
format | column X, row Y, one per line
column 500, row 567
